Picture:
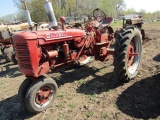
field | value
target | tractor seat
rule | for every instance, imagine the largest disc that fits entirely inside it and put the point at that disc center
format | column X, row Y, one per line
column 106, row 21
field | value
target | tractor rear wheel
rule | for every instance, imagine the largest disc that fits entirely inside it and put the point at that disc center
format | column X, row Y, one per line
column 23, row 89
column 127, row 53
column 40, row 94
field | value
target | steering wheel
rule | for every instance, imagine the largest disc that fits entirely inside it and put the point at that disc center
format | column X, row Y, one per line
column 99, row 15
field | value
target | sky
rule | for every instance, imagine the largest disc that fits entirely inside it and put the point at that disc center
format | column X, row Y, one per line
column 8, row 7
column 148, row 5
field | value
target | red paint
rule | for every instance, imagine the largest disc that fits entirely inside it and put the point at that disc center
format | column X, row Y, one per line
column 131, row 53
column 43, row 95
column 63, row 19
column 39, row 51
column 102, row 38
column 66, row 50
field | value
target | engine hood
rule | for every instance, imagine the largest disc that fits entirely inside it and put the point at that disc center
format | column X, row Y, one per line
column 60, row 34
column 49, row 35
column 24, row 35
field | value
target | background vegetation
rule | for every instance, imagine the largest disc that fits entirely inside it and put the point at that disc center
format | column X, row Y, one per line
column 74, row 8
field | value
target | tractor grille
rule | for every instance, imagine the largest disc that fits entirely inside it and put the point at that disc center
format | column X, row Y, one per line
column 23, row 56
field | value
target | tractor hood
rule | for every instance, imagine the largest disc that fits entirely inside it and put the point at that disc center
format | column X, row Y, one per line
column 24, row 35
column 60, row 34
column 49, row 35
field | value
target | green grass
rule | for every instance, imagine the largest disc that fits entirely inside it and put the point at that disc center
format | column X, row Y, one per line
column 60, row 96
column 72, row 105
column 60, row 105
column 16, row 72
column 90, row 114
column 119, row 24
column 105, row 115
column 91, row 97
column 82, row 81
column 1, row 83
column 116, row 24
column 7, row 76
column 155, row 23
column 114, row 105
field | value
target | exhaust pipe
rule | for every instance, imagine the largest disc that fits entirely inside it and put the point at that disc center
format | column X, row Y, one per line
column 28, row 17
column 50, row 13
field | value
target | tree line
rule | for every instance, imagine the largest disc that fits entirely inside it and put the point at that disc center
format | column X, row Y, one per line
column 73, row 8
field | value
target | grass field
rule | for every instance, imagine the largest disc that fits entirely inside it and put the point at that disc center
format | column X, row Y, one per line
column 119, row 24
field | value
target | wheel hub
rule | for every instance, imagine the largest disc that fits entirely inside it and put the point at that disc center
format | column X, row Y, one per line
column 131, row 54
column 43, row 95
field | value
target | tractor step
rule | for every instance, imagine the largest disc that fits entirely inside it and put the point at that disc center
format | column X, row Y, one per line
column 102, row 43
column 110, row 51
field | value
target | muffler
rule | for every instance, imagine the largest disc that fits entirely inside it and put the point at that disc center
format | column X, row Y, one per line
column 28, row 17
column 50, row 13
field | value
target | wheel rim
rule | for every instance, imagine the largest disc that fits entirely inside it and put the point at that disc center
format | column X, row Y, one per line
column 44, row 96
column 133, row 55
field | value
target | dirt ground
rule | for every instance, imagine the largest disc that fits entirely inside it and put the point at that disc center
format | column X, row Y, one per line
column 92, row 92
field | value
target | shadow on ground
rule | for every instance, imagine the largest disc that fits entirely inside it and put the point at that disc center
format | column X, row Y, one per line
column 11, row 109
column 71, row 74
column 142, row 99
column 9, row 70
column 157, row 58
column 97, row 85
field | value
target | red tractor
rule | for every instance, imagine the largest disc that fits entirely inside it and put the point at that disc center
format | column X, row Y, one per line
column 40, row 51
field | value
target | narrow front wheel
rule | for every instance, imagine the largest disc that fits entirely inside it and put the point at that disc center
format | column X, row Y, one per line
column 23, row 89
column 40, row 94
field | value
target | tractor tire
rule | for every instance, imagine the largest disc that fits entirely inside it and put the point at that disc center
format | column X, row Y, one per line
column 23, row 89
column 40, row 94
column 8, row 53
column 127, row 54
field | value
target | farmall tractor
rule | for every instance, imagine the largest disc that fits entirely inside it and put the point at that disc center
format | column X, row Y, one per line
column 40, row 51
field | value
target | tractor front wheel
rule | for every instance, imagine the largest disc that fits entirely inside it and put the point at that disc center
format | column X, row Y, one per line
column 127, row 54
column 40, row 94
column 23, row 89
